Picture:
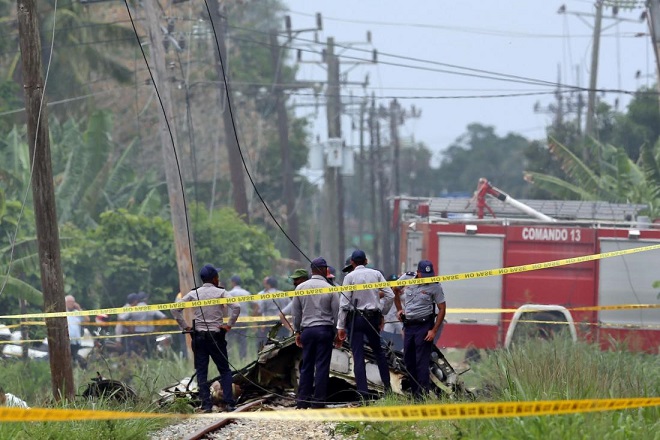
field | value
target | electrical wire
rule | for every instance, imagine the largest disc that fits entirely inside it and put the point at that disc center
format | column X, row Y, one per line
column 169, row 129
column 230, row 109
column 469, row 71
column 34, row 152
column 477, row 31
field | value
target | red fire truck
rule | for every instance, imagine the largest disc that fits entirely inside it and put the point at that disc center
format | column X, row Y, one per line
column 458, row 236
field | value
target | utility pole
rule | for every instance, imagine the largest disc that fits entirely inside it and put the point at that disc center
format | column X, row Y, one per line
column 283, row 133
column 360, row 176
column 590, row 124
column 653, row 17
column 43, row 195
column 334, row 201
column 386, row 244
column 590, row 127
column 372, row 175
column 397, row 117
column 277, row 54
column 395, row 120
column 180, row 223
column 236, row 167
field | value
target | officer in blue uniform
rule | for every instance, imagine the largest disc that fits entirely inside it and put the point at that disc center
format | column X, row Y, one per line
column 420, row 325
column 314, row 320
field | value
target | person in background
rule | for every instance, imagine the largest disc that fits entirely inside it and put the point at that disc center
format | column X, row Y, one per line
column 271, row 307
column 421, row 325
column 123, row 328
column 75, row 324
column 297, row 277
column 348, row 267
column 332, row 275
column 9, row 400
column 208, row 336
column 393, row 328
column 248, row 308
column 361, row 313
column 314, row 320
column 144, row 341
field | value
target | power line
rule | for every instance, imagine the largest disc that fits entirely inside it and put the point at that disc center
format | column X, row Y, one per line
column 470, row 30
column 496, row 76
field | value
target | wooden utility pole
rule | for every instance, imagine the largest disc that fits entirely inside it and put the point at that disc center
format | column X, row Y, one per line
column 283, row 133
column 43, row 195
column 653, row 17
column 233, row 152
column 180, row 223
column 590, row 127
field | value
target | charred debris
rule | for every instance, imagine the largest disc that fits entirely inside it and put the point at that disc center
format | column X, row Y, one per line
column 275, row 373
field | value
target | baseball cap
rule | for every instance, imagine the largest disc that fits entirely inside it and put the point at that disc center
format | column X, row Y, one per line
column 299, row 273
column 425, row 267
column 319, row 262
column 235, row 279
column 358, row 255
column 208, row 272
column 131, row 298
column 331, row 272
column 349, row 267
column 142, row 296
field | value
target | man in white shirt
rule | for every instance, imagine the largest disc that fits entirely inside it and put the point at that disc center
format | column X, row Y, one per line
column 209, row 332
column 361, row 313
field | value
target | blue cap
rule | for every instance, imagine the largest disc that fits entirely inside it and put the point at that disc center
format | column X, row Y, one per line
column 271, row 281
column 142, row 296
column 358, row 255
column 208, row 272
column 319, row 262
column 235, row 279
column 425, row 268
column 131, row 298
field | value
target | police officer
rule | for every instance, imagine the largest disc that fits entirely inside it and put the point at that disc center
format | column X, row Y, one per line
column 208, row 336
column 314, row 320
column 420, row 327
column 361, row 311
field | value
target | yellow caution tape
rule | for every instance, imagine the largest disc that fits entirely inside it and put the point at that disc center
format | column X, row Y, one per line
column 402, row 413
column 155, row 323
column 349, row 288
column 454, row 411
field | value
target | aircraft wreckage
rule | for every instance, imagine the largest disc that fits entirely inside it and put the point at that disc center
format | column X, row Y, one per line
column 276, row 373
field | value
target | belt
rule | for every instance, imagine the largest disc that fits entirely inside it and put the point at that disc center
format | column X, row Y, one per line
column 371, row 313
column 415, row 321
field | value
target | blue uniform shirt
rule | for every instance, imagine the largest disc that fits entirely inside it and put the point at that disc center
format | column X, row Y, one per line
column 420, row 299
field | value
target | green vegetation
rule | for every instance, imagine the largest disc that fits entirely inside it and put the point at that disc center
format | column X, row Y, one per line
column 548, row 370
column 31, row 382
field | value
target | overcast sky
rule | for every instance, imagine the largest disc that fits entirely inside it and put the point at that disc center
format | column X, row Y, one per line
column 526, row 38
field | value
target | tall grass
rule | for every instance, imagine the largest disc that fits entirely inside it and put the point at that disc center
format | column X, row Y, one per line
column 562, row 369
column 546, row 370
column 31, row 381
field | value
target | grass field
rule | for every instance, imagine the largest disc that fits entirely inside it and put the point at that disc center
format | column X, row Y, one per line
column 536, row 370
column 545, row 370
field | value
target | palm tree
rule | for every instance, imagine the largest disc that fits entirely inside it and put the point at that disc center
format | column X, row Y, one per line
column 92, row 173
column 85, row 48
column 618, row 179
